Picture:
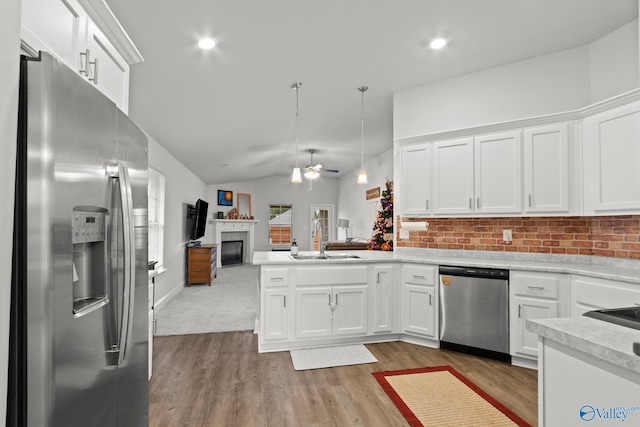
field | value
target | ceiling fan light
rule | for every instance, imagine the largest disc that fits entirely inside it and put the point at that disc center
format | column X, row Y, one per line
column 362, row 176
column 296, row 177
column 311, row 173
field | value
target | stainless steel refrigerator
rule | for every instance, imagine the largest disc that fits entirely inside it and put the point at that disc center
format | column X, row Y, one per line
column 78, row 340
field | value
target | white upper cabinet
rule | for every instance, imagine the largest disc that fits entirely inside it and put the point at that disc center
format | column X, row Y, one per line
column 416, row 179
column 75, row 31
column 453, row 177
column 612, row 159
column 479, row 175
column 107, row 69
column 498, row 173
column 54, row 27
column 546, row 169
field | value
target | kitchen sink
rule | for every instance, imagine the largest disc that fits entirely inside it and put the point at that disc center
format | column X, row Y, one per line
column 325, row 256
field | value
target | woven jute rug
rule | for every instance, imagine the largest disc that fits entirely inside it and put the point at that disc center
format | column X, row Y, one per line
column 441, row 396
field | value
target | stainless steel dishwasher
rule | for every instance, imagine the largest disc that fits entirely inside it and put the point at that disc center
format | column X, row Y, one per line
column 474, row 311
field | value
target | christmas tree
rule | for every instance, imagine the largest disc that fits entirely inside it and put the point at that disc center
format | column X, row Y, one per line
column 383, row 227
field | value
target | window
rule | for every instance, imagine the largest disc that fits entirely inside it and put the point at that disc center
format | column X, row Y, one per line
column 280, row 224
column 156, row 216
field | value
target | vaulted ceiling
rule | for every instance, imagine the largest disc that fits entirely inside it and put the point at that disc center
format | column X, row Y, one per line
column 228, row 114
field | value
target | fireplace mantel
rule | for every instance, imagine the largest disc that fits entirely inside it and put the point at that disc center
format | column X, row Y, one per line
column 226, row 226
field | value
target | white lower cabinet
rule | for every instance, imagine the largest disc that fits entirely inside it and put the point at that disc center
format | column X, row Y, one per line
column 382, row 298
column 591, row 293
column 420, row 300
column 274, row 314
column 534, row 295
column 340, row 310
column 331, row 301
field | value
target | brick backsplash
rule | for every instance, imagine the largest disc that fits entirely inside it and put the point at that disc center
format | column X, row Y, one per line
column 610, row 236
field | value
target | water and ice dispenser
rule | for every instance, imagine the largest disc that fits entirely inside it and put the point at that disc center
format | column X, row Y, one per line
column 90, row 266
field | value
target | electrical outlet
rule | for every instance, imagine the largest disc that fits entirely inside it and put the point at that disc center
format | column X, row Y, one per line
column 507, row 236
column 404, row 234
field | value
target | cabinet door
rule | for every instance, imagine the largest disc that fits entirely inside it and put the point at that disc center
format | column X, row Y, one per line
column 612, row 156
column 107, row 69
column 546, row 169
column 453, row 176
column 419, row 310
column 416, row 179
column 314, row 312
column 590, row 293
column 382, row 299
column 350, row 310
column 275, row 324
column 526, row 342
column 498, row 173
column 55, row 27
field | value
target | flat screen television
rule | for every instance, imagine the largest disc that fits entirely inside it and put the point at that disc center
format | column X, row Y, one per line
column 199, row 216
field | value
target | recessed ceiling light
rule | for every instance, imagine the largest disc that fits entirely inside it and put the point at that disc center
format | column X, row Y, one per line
column 206, row 44
column 438, row 43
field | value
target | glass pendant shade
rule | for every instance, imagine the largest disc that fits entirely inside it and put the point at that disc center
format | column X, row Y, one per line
column 296, row 177
column 362, row 176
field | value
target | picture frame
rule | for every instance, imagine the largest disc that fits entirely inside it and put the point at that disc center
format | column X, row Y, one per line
column 225, row 198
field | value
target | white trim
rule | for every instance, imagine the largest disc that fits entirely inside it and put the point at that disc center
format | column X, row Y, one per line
column 106, row 21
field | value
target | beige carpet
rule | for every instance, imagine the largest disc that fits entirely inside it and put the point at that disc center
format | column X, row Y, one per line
column 441, row 396
column 229, row 304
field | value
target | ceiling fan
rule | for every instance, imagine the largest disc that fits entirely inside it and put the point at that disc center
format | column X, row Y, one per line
column 312, row 171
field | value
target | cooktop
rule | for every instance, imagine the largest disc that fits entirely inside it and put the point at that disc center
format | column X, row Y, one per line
column 626, row 316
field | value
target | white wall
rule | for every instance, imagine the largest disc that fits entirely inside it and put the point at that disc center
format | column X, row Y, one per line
column 352, row 202
column 182, row 187
column 278, row 190
column 614, row 63
column 538, row 86
column 9, row 67
column 562, row 81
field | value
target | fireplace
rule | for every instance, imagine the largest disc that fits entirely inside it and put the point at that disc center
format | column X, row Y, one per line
column 232, row 252
column 225, row 230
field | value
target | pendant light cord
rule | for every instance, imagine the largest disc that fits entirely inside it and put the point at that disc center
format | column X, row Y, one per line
column 362, row 90
column 296, row 86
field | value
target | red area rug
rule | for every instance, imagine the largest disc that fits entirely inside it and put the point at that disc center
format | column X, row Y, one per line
column 441, row 396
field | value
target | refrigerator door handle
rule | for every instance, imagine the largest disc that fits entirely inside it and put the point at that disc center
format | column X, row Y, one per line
column 126, row 201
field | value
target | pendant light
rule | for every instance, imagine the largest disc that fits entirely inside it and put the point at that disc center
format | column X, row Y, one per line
column 362, row 174
column 296, row 177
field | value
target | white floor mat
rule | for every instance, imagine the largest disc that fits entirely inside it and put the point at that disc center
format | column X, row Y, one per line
column 327, row 357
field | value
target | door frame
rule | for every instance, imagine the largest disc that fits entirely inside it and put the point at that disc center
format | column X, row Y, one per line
column 330, row 231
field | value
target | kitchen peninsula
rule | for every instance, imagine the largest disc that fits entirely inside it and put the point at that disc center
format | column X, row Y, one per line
column 587, row 372
column 383, row 296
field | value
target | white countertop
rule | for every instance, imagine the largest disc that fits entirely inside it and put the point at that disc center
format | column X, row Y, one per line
column 612, row 269
column 603, row 340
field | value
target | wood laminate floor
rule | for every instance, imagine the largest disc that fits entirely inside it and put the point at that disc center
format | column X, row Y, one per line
column 220, row 379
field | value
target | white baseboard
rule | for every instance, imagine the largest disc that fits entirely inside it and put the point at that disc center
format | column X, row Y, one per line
column 170, row 295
